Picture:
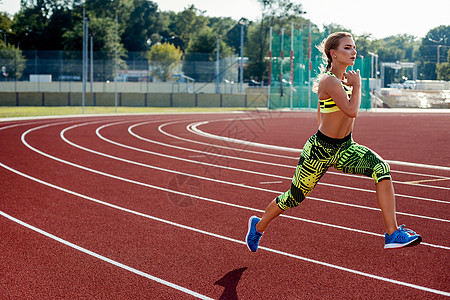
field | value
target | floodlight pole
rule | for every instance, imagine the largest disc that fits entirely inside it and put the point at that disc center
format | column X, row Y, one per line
column 83, row 63
column 92, row 61
column 291, row 79
column 115, row 74
column 270, row 68
column 241, row 75
column 217, row 65
column 86, row 44
column 281, row 65
column 309, row 67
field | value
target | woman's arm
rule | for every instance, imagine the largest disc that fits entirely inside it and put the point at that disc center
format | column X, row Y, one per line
column 333, row 88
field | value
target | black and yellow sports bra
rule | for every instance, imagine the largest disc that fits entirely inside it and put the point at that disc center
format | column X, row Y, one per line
column 328, row 105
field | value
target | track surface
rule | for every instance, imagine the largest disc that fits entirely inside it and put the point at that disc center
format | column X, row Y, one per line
column 156, row 207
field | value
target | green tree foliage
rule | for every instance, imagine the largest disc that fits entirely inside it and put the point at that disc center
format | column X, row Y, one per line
column 104, row 40
column 202, row 50
column 5, row 22
column 435, row 43
column 443, row 69
column 163, row 59
column 232, row 36
column 187, row 23
column 206, row 42
column 12, row 62
column 30, row 24
column 395, row 48
column 57, row 25
column 437, row 36
column 276, row 13
column 143, row 21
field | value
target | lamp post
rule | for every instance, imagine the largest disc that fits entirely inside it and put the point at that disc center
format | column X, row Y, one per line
column 84, row 60
column 373, row 57
column 115, row 67
column 438, row 46
column 92, row 60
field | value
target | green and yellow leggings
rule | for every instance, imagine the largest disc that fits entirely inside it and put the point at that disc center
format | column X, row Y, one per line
column 321, row 152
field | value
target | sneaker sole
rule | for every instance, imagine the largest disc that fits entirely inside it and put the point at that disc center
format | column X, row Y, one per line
column 412, row 243
column 248, row 231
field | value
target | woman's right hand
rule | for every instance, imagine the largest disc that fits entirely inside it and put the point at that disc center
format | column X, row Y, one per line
column 353, row 78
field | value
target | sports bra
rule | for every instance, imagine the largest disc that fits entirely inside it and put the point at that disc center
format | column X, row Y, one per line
column 328, row 105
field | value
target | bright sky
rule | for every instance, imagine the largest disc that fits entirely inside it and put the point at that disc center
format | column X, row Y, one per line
column 381, row 18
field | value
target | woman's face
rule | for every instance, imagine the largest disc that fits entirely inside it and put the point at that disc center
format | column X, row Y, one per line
column 345, row 52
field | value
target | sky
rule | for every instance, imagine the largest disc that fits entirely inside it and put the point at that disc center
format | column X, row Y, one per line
column 380, row 18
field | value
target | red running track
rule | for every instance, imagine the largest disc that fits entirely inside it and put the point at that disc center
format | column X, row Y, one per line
column 156, row 207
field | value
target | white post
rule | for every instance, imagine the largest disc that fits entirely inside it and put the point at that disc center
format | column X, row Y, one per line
column 217, row 66
column 270, row 68
column 281, row 67
column 92, row 61
column 115, row 74
column 83, row 63
column 309, row 67
column 291, row 79
column 241, row 75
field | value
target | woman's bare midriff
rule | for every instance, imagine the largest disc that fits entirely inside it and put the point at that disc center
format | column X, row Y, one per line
column 336, row 124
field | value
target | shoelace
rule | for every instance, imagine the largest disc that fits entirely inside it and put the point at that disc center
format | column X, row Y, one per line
column 407, row 230
column 255, row 237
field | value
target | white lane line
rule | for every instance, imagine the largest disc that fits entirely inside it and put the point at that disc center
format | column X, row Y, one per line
column 259, row 161
column 105, row 259
column 270, row 182
column 294, row 150
column 211, row 179
column 249, row 171
column 185, row 194
column 205, row 152
column 231, row 239
column 160, row 128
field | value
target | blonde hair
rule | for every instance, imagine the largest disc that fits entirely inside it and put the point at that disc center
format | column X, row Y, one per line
column 331, row 42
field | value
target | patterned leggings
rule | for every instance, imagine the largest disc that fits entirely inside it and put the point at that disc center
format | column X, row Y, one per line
column 321, row 152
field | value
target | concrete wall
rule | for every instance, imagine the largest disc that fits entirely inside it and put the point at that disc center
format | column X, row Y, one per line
column 122, row 87
column 132, row 99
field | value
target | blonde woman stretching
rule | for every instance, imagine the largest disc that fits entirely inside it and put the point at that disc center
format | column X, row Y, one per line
column 339, row 93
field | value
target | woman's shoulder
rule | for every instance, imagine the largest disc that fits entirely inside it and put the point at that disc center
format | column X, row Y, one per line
column 324, row 82
column 328, row 80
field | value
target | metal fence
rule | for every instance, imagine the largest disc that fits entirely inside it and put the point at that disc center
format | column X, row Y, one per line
column 62, row 70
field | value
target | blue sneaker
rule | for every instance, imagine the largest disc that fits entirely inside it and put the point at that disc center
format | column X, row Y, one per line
column 253, row 236
column 403, row 237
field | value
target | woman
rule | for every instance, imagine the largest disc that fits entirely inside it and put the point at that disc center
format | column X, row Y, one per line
column 339, row 95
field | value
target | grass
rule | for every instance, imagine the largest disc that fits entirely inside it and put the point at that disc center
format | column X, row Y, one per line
column 32, row 111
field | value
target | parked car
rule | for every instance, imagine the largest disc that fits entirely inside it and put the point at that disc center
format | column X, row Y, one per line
column 409, row 84
column 395, row 85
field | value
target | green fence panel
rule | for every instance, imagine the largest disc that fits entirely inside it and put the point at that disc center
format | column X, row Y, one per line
column 291, row 81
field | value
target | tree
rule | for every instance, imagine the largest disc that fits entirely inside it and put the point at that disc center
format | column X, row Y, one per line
column 30, row 24
column 443, row 69
column 184, row 24
column 5, row 21
column 12, row 62
column 438, row 36
column 143, row 21
column 163, row 59
column 201, row 52
column 363, row 44
column 104, row 42
column 435, row 44
column 58, row 23
column 277, row 13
